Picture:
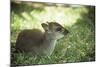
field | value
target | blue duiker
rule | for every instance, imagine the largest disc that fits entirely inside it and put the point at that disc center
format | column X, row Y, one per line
column 40, row 43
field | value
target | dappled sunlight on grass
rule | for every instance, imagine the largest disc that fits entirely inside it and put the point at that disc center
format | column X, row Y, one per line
column 66, row 16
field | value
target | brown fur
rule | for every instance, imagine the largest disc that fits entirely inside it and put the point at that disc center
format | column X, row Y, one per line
column 40, row 43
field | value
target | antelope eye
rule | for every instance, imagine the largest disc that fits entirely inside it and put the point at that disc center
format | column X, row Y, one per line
column 58, row 29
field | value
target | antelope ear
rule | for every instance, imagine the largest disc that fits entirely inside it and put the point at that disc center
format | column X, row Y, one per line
column 45, row 26
column 47, row 22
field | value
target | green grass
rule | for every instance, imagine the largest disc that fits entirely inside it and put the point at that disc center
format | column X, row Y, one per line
column 77, row 46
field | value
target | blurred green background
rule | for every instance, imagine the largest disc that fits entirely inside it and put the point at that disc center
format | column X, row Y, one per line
column 77, row 46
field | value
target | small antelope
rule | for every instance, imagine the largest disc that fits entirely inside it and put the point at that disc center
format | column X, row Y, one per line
column 40, row 43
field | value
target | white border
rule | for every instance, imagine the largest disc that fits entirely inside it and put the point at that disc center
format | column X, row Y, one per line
column 5, row 33
column 84, row 2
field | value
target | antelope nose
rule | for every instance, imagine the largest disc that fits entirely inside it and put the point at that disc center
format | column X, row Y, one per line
column 66, row 32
